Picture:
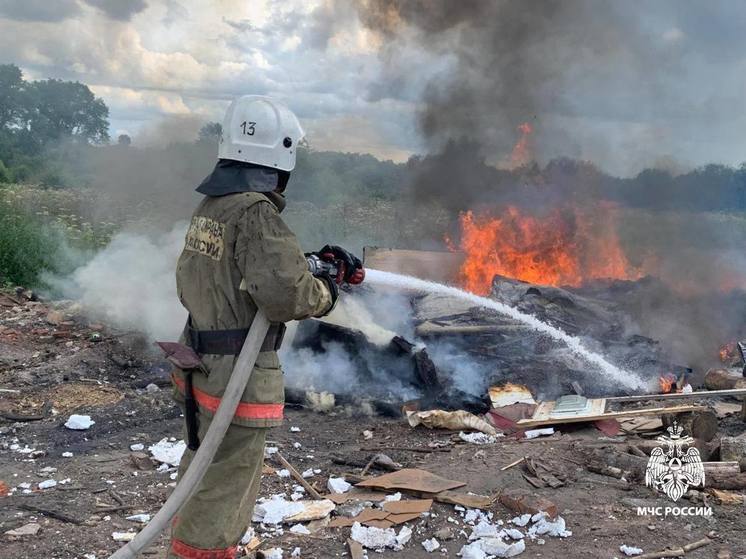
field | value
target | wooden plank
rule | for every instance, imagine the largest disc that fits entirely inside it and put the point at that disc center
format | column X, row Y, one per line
column 608, row 415
column 680, row 396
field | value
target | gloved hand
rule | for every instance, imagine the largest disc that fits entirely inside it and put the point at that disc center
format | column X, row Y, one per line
column 351, row 265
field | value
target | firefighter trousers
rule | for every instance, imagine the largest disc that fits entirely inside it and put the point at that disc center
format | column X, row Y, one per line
column 213, row 520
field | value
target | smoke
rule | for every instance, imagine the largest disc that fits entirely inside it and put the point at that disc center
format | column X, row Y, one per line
column 555, row 64
column 131, row 283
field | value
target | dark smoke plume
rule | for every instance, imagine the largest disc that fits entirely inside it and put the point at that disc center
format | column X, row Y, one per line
column 545, row 62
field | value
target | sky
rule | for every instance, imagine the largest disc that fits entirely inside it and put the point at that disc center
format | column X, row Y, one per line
column 359, row 90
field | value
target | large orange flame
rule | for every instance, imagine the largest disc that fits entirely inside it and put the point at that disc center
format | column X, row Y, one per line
column 566, row 247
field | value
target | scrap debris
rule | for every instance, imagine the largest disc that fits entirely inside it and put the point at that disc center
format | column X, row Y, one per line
column 425, row 501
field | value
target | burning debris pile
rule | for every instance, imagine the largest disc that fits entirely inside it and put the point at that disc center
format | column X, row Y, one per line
column 450, row 350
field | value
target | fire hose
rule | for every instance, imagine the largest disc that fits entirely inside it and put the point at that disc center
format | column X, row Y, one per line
column 209, row 446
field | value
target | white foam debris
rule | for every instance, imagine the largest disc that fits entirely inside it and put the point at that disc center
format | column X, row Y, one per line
column 521, row 520
column 297, row 445
column 295, row 429
column 630, row 551
column 139, row 518
column 492, row 547
column 168, row 452
column 477, row 438
column 67, row 454
column 431, row 545
column 338, row 485
column 404, row 535
column 300, row 529
column 554, row 528
column 123, row 536
column 283, row 473
column 393, row 497
column 47, row 484
column 513, row 534
column 498, row 548
column 533, row 433
column 472, row 551
column 269, row 451
column 484, row 529
column 474, row 515
column 79, row 422
column 273, row 553
column 296, row 552
column 372, row 537
column 137, row 447
column 296, row 496
column 307, row 473
column 275, row 510
column 248, row 536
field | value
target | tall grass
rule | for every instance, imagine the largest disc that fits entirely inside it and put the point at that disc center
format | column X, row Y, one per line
column 42, row 231
column 27, row 247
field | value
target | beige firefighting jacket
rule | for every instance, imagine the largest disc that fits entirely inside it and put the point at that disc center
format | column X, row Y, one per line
column 233, row 238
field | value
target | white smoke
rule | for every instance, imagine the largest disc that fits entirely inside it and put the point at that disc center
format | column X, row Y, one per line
column 131, row 283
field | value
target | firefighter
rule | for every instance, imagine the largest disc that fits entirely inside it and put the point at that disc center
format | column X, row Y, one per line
column 238, row 256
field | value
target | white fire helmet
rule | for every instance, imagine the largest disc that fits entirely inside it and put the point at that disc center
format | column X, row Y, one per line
column 260, row 130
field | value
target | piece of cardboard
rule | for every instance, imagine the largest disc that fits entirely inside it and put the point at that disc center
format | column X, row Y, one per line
column 312, row 510
column 466, row 500
column 355, row 494
column 380, row 524
column 408, row 507
column 356, row 549
column 411, row 479
column 365, row 516
column 402, row 518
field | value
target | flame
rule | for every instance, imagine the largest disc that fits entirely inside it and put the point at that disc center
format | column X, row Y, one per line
column 667, row 383
column 566, row 247
column 728, row 352
column 521, row 153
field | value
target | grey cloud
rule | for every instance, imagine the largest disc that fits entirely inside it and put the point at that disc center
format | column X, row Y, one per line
column 39, row 10
column 175, row 12
column 121, row 10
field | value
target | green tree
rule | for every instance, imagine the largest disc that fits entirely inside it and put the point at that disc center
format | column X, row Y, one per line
column 11, row 90
column 55, row 109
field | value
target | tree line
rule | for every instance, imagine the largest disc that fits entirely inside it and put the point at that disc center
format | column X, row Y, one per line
column 36, row 114
column 54, row 133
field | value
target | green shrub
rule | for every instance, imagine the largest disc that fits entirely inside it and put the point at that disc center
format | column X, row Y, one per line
column 5, row 174
column 27, row 247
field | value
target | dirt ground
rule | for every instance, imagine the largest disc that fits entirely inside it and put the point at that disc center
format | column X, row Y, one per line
column 51, row 366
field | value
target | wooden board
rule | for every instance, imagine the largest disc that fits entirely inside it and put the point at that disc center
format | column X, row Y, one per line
column 534, row 422
column 680, row 395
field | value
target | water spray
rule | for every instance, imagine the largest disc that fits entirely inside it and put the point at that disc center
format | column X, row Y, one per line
column 614, row 373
